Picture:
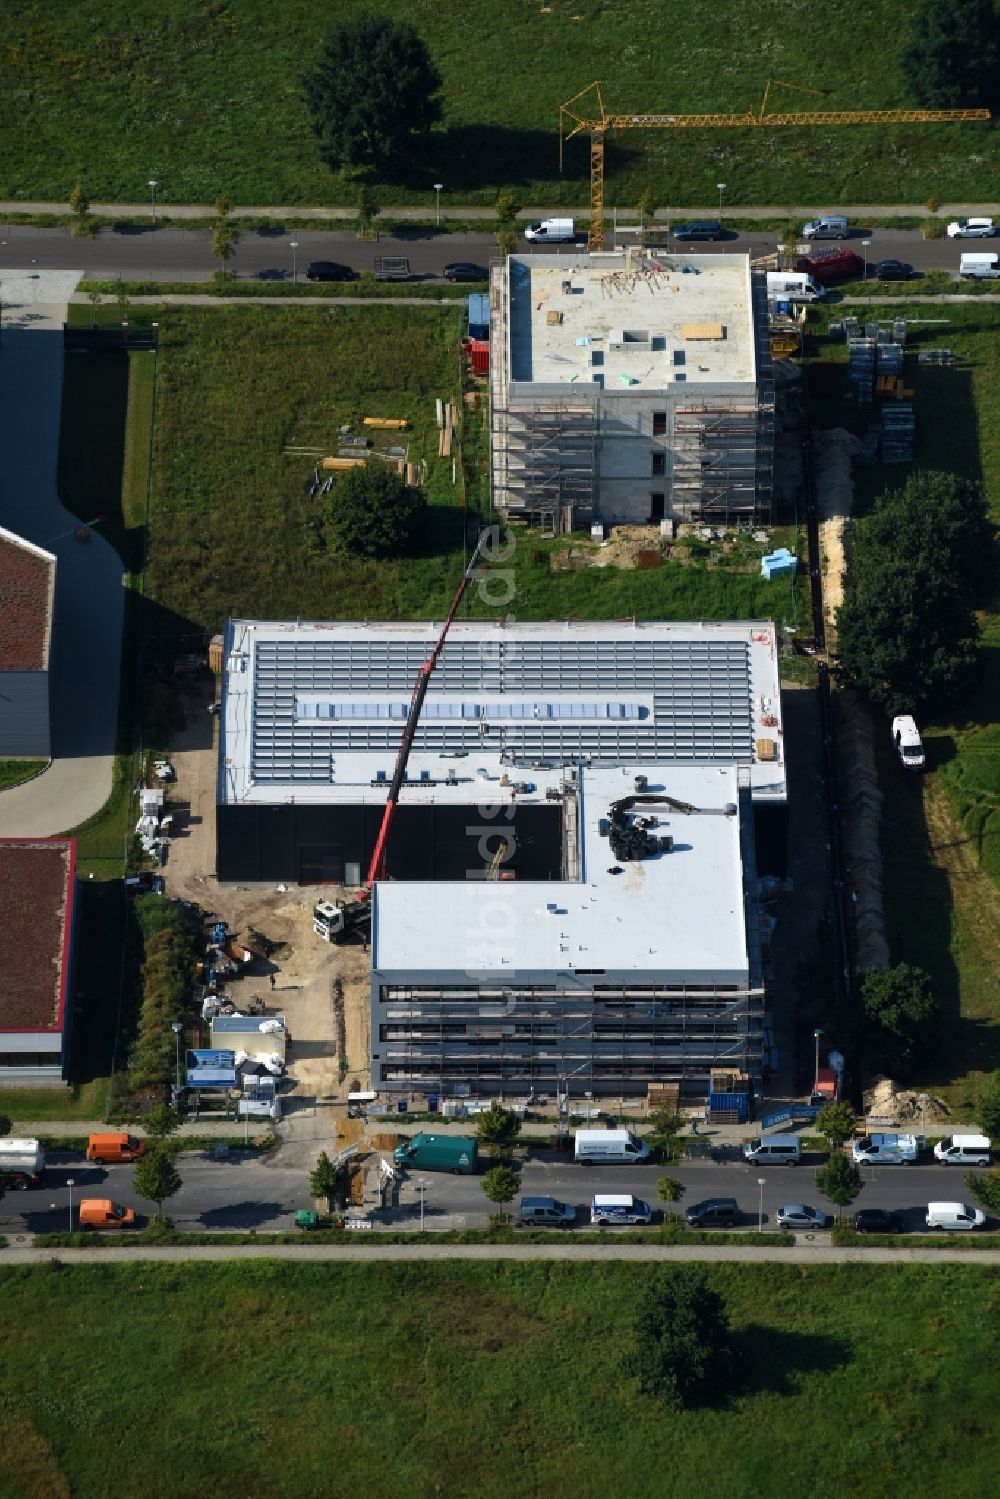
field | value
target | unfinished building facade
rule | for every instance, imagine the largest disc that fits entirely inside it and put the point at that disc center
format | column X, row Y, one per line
column 630, row 387
column 571, row 900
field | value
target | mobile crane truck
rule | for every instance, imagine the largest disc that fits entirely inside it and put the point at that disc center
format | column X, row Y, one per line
column 335, row 920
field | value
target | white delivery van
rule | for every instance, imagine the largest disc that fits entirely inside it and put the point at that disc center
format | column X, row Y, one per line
column 553, row 231
column 773, row 1150
column 963, row 1150
column 953, row 1217
column 608, row 1147
column 886, row 1150
column 795, row 286
column 608, row 1208
column 23, row 1162
column 984, row 266
column 909, row 745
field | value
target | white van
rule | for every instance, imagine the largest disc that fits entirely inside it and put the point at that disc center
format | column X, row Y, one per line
column 552, row 231
column 773, row 1150
column 796, row 286
column 982, row 266
column 909, row 745
column 953, row 1217
column 607, row 1208
column 886, row 1150
column 963, row 1150
column 830, row 226
column 608, row 1147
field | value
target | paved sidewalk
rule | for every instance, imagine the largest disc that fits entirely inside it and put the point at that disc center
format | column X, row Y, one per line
column 29, row 1129
column 481, row 211
column 89, row 598
column 638, row 1254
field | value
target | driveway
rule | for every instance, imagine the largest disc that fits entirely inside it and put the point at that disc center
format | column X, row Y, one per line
column 89, row 598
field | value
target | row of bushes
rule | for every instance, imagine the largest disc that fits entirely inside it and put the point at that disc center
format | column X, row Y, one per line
column 669, row 1234
column 169, row 952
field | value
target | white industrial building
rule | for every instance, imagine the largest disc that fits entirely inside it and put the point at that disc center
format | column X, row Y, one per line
column 629, row 387
column 572, row 883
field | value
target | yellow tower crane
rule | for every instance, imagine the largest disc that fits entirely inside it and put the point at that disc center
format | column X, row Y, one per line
column 577, row 115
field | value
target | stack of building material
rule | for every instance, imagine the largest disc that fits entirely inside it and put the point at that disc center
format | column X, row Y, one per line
column 861, row 368
column 776, row 564
column 899, row 427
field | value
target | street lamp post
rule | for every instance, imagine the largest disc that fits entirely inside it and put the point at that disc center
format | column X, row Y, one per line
column 760, row 1205
column 816, row 1035
column 152, row 189
column 295, row 262
column 177, row 1028
column 70, row 1183
column 437, row 188
column 865, row 243
column 722, row 187
column 422, row 1189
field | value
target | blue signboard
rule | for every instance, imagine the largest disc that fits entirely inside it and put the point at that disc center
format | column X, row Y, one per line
column 211, row 1069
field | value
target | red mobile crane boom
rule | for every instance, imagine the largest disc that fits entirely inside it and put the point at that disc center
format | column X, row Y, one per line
column 332, row 921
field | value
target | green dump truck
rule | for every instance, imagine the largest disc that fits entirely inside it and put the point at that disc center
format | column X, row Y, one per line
column 455, row 1153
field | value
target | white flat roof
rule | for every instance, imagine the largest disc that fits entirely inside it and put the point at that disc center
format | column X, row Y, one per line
column 314, row 712
column 641, row 320
column 678, row 917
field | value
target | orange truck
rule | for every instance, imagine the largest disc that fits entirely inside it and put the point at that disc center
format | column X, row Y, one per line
column 101, row 1212
column 112, row 1148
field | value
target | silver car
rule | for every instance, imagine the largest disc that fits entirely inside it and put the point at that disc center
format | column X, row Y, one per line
column 971, row 229
column 800, row 1215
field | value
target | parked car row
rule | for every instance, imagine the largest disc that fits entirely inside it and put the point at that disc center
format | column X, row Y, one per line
column 624, row 1210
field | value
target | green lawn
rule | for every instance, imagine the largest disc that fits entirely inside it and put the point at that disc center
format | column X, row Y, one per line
column 233, row 527
column 13, row 772
column 486, row 1381
column 207, row 99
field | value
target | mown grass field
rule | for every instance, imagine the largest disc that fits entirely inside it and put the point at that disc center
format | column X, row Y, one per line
column 207, row 99
column 486, row 1381
column 941, row 832
column 13, row 772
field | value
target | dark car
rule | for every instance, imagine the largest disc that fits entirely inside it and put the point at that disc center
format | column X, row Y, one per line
column 878, row 1221
column 714, row 1212
column 329, row 270
column 699, row 229
column 892, row 270
column 465, row 270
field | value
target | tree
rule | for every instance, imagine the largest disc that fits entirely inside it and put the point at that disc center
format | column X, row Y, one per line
column 669, row 1189
column 224, row 241
column 498, row 1126
column 374, row 512
column 953, row 56
column 985, row 1188
column 920, row 561
column 508, row 206
column 501, row 1185
column 901, row 1013
column 373, row 91
column 836, row 1122
column 987, row 1109
column 839, row 1180
column 647, row 207
column 323, row 1178
column 79, row 202
column 162, row 1122
column 666, row 1123
column 368, row 205
column 682, row 1349
column 155, row 1177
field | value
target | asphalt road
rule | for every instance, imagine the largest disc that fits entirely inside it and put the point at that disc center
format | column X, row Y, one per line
column 185, row 254
column 262, row 1194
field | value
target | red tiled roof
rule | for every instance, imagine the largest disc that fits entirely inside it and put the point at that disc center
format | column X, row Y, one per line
column 25, row 594
column 36, row 903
